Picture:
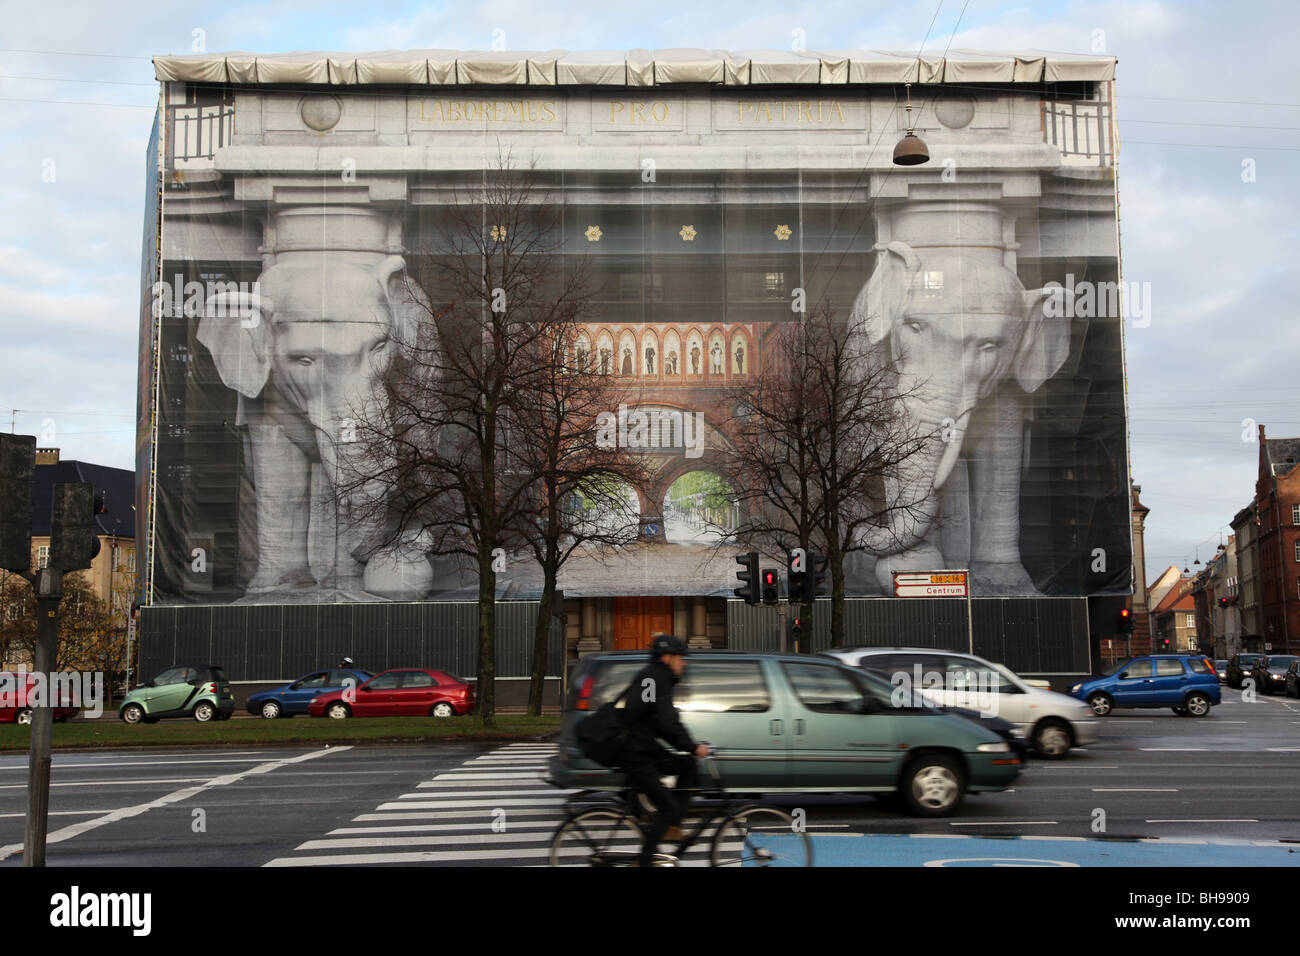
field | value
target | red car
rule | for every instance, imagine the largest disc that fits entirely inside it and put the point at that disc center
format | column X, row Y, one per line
column 398, row 693
column 15, row 705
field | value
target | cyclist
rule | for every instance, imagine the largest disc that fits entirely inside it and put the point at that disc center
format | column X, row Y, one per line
column 651, row 717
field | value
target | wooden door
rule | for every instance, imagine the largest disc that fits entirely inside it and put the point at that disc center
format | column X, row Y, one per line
column 637, row 618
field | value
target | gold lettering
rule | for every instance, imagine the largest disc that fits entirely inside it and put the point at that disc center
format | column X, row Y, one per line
column 839, row 109
column 655, row 108
column 453, row 111
column 783, row 111
column 614, row 107
column 767, row 108
column 496, row 111
column 805, row 106
column 547, row 106
column 741, row 106
column 517, row 107
column 638, row 112
column 819, row 111
column 483, row 108
column 422, row 119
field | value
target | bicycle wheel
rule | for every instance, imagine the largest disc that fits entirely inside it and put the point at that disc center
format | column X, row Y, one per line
column 761, row 836
column 597, row 836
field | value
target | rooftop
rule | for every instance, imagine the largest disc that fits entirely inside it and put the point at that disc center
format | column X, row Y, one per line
column 634, row 68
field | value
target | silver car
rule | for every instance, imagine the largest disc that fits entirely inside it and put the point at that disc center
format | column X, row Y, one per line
column 1053, row 722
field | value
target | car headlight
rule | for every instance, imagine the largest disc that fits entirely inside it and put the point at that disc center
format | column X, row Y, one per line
column 1000, row 747
column 1076, row 688
column 1017, row 733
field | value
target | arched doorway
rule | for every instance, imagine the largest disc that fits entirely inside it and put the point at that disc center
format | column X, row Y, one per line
column 701, row 507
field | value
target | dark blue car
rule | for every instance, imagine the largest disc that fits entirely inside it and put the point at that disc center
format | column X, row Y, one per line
column 1185, row 683
column 293, row 698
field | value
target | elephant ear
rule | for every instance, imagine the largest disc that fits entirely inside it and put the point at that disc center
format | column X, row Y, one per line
column 412, row 311
column 236, row 329
column 1045, row 345
column 880, row 302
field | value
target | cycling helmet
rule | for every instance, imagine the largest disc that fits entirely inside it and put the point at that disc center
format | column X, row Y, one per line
column 667, row 644
column 346, row 662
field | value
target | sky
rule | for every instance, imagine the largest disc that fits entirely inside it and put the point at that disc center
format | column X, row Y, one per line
column 1209, row 108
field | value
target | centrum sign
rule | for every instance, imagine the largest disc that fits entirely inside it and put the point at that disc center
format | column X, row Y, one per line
column 931, row 584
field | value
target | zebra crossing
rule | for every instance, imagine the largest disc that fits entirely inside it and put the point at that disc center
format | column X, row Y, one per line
column 492, row 810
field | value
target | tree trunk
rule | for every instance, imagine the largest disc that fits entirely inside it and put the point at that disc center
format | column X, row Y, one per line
column 541, row 641
column 836, row 561
column 487, row 587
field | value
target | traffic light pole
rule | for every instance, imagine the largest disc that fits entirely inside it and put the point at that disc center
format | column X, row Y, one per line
column 49, row 590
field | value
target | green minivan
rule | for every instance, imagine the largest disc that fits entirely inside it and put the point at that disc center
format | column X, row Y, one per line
column 184, row 690
column 783, row 723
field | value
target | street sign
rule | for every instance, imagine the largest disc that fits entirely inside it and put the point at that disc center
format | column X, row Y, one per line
column 931, row 584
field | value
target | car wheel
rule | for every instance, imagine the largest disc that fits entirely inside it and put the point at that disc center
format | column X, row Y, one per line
column 133, row 713
column 271, row 710
column 443, row 709
column 338, row 711
column 204, row 711
column 1052, row 739
column 1101, row 704
column 24, row 717
column 1198, row 705
column 932, row 786
column 1179, row 711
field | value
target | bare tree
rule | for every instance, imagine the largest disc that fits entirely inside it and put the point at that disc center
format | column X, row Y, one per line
column 576, row 477
column 816, row 444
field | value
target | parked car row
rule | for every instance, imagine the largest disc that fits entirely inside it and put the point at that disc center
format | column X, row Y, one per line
column 204, row 694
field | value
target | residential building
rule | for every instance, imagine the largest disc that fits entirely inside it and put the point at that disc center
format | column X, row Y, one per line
column 1245, row 528
column 1277, row 501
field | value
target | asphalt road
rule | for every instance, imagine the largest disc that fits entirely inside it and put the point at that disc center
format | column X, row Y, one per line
column 1229, row 778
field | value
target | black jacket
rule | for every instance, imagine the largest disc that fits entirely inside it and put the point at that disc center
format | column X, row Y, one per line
column 654, row 719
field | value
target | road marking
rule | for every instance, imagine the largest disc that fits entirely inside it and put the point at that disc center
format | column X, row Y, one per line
column 1175, row 750
column 485, row 822
column 455, row 804
column 106, row 783
column 1134, row 789
column 176, row 796
column 1007, row 823
column 548, row 791
column 1283, row 750
column 1192, row 820
column 452, row 815
column 452, row 777
column 532, row 835
column 110, row 765
column 62, row 813
column 421, row 856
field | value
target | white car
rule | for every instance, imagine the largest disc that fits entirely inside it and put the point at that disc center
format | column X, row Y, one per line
column 1052, row 722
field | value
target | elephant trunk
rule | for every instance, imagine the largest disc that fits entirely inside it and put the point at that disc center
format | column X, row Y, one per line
column 912, row 496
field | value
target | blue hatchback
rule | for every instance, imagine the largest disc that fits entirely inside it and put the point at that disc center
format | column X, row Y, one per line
column 1185, row 683
column 293, row 698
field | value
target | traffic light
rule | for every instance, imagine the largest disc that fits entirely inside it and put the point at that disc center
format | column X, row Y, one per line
column 748, row 577
column 796, row 630
column 17, row 468
column 73, row 541
column 1164, row 643
column 805, row 581
column 795, row 567
column 1125, row 621
column 1223, row 602
column 816, row 575
column 770, row 595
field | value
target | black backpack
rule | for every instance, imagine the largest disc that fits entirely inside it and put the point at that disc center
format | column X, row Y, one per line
column 604, row 735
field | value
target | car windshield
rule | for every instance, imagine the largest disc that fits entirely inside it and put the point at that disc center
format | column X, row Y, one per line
column 1011, row 677
column 1248, row 658
column 1280, row 661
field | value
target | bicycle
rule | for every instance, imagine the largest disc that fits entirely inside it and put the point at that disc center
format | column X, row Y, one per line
column 604, row 830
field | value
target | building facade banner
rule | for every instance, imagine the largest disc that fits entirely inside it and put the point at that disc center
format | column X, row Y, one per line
column 708, row 222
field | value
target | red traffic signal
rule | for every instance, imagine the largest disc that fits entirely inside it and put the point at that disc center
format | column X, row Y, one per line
column 769, row 586
column 1125, row 620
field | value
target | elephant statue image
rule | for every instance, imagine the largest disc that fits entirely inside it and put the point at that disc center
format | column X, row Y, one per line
column 967, row 344
column 305, row 352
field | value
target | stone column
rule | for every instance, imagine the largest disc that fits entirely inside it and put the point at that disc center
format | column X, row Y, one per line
column 589, row 639
column 699, row 637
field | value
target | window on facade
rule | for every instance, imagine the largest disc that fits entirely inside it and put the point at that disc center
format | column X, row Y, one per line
column 42, row 556
column 1297, row 550
column 14, row 611
column 1297, row 584
column 1295, row 514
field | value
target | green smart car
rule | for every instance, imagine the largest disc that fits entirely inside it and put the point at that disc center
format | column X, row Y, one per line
column 184, row 690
